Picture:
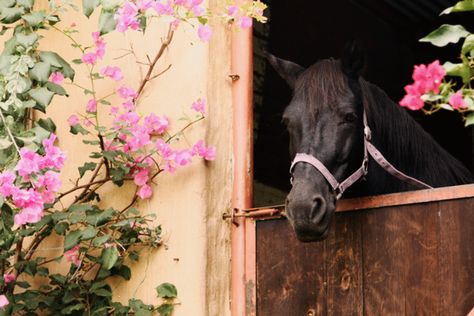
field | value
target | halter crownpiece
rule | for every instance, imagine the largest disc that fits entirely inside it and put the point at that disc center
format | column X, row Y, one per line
column 369, row 149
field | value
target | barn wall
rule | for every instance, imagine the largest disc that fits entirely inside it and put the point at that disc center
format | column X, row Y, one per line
column 188, row 204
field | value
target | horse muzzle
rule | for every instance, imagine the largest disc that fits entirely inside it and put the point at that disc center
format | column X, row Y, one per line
column 310, row 214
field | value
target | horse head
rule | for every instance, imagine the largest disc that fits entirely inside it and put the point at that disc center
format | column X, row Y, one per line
column 325, row 120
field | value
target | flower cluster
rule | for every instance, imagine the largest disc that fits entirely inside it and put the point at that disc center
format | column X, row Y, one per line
column 34, row 181
column 129, row 15
column 427, row 79
column 91, row 58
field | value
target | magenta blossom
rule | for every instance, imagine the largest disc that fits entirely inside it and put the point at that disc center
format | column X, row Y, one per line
column 208, row 153
column 73, row 256
column 199, row 105
column 89, row 58
column 73, row 120
column 56, row 77
column 8, row 278
column 145, row 192
column 91, row 106
column 183, row 157
column 7, row 179
column 156, row 124
column 3, row 301
column 245, row 22
column 126, row 17
column 204, row 33
column 126, row 92
column 141, row 177
column 112, row 72
column 456, row 100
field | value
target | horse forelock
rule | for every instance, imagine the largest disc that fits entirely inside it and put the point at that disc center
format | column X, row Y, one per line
column 322, row 85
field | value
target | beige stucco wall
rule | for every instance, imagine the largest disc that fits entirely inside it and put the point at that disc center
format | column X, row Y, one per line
column 190, row 203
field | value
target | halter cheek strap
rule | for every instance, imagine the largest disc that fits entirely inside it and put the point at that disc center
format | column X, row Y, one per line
column 369, row 149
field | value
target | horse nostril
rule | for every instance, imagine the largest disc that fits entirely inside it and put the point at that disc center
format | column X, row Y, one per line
column 318, row 210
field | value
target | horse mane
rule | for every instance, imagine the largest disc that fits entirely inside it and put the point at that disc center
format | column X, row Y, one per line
column 406, row 144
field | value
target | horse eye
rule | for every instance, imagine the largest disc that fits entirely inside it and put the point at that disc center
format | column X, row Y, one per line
column 350, row 117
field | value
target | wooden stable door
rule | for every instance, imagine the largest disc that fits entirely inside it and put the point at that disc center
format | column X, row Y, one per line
column 411, row 259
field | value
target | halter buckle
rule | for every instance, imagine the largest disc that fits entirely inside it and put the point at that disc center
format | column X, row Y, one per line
column 367, row 132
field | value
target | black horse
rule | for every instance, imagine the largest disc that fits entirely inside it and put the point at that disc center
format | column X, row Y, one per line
column 330, row 106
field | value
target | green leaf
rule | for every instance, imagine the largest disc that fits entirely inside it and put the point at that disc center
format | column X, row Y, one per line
column 107, row 22
column 7, row 3
column 26, row 40
column 40, row 72
column 57, row 61
column 165, row 309
column 109, row 257
column 446, row 34
column 77, row 61
column 469, row 119
column 61, row 227
column 34, row 18
column 461, row 6
column 47, row 124
column 99, row 217
column 57, row 89
column 125, row 272
column 167, row 290
column 468, row 44
column 99, row 241
column 11, row 15
column 140, row 308
column 27, row 4
column 42, row 96
column 76, row 129
column 72, row 308
column 72, row 239
column 458, row 70
column 88, row 233
column 5, row 143
column 88, row 166
column 88, row 6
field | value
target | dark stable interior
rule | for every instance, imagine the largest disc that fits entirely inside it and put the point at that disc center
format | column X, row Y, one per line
column 387, row 30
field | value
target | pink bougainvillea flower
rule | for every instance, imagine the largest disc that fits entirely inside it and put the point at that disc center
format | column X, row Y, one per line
column 56, row 77
column 143, row 5
column 31, row 205
column 72, row 255
column 456, row 100
column 204, row 33
column 208, row 153
column 232, row 10
column 73, row 120
column 87, row 122
column 412, row 101
column 183, row 157
column 164, row 149
column 199, row 105
column 128, row 105
column 7, row 179
column 175, row 24
column 28, row 164
column 141, row 177
column 114, row 110
column 54, row 157
column 91, row 106
column 126, row 92
column 245, row 22
column 197, row 11
column 156, row 124
column 428, row 78
column 145, row 192
column 126, row 17
column 48, row 184
column 163, row 8
column 89, row 58
column 112, row 72
column 8, row 278
column 3, row 301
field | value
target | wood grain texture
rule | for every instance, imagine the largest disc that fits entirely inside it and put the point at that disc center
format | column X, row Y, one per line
column 291, row 276
column 400, row 260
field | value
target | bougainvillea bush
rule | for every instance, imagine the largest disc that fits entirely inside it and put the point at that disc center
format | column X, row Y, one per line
column 446, row 86
column 99, row 241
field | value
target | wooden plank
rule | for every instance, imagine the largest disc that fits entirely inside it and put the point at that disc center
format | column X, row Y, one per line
column 422, row 269
column 344, row 267
column 385, row 262
column 456, row 257
column 291, row 276
column 405, row 198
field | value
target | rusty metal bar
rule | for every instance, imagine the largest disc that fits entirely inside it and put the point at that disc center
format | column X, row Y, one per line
column 242, row 75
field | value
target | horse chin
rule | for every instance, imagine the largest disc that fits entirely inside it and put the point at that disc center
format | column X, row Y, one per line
column 312, row 237
column 311, row 232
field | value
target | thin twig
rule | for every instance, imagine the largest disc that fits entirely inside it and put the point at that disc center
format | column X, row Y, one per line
column 9, row 132
column 166, row 42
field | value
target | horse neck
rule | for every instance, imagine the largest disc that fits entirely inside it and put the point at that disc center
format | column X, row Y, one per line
column 407, row 146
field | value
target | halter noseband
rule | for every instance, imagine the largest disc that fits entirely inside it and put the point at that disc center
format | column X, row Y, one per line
column 369, row 149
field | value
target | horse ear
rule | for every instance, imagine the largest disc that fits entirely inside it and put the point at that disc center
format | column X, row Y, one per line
column 286, row 69
column 353, row 59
